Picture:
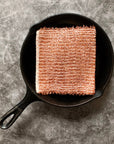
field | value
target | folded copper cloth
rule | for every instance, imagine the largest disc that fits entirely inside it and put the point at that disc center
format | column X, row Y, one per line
column 65, row 60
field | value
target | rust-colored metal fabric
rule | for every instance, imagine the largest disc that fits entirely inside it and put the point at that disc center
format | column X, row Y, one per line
column 65, row 60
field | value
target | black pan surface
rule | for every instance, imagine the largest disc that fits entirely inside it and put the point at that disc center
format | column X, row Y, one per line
column 104, row 66
column 104, row 54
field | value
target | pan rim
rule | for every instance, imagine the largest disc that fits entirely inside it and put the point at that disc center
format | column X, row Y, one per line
column 73, row 105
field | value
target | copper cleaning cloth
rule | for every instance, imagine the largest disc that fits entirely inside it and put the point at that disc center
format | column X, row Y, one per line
column 65, row 60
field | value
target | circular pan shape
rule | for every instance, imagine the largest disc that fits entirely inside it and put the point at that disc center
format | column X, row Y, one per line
column 104, row 56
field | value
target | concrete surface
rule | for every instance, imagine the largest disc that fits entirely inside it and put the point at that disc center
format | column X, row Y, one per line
column 41, row 123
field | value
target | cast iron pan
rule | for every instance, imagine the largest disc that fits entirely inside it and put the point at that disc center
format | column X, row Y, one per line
column 104, row 66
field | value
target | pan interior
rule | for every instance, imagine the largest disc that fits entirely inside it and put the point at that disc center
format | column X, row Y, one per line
column 103, row 57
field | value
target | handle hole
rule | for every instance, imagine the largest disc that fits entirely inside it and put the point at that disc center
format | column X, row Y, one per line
column 7, row 120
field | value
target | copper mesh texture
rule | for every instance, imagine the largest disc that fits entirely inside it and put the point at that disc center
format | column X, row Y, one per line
column 65, row 60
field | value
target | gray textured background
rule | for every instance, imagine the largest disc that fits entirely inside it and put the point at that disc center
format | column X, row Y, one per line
column 41, row 123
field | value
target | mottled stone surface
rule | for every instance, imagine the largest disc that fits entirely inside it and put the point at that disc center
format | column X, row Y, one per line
column 41, row 123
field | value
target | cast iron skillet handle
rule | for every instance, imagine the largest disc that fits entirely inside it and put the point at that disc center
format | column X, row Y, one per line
column 17, row 110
